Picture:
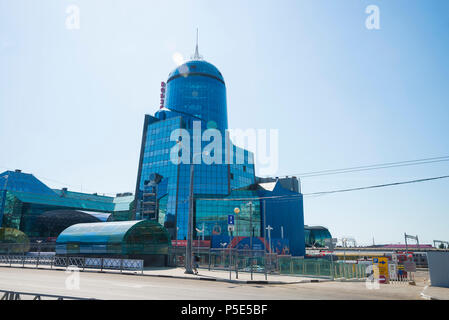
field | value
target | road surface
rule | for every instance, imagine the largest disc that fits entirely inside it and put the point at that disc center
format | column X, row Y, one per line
column 121, row 286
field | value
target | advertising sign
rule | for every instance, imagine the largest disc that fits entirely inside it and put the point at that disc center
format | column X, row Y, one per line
column 393, row 271
column 382, row 266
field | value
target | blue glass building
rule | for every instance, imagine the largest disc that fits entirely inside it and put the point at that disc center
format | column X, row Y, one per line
column 27, row 204
column 195, row 96
column 195, row 100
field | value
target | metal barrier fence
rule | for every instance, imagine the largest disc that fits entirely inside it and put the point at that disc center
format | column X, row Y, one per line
column 15, row 295
column 257, row 261
column 80, row 262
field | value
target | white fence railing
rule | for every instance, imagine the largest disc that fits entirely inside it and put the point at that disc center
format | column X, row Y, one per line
column 80, row 262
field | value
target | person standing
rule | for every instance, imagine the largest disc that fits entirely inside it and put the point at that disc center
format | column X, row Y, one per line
column 196, row 261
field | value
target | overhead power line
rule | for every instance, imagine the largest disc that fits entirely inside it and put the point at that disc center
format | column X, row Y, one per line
column 329, row 192
column 377, row 186
column 372, row 167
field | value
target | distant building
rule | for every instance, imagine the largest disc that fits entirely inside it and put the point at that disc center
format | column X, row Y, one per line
column 315, row 236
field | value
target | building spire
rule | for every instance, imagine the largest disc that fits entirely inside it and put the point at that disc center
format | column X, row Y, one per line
column 197, row 56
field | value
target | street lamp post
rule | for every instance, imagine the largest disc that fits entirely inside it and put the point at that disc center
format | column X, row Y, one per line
column 265, row 239
column 237, row 211
column 200, row 231
column 250, row 225
column 230, row 248
column 223, row 245
column 251, row 235
column 190, row 226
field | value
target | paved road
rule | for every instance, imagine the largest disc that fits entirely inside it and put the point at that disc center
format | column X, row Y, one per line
column 117, row 286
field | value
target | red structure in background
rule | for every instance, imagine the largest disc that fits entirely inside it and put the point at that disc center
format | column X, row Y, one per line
column 183, row 243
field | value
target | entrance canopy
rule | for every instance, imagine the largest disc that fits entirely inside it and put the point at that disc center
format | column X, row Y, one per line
column 120, row 237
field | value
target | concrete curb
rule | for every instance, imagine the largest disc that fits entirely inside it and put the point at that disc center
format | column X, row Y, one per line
column 350, row 280
column 241, row 281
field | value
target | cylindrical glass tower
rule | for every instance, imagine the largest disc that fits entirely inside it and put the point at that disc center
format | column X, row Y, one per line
column 197, row 88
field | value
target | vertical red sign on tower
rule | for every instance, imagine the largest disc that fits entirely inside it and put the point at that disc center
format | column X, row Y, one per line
column 162, row 94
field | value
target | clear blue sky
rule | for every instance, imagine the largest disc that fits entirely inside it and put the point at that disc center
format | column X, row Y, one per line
column 72, row 101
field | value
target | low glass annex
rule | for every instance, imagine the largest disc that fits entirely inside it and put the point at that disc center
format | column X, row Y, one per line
column 136, row 237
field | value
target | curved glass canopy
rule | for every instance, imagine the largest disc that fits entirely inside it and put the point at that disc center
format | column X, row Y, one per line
column 121, row 237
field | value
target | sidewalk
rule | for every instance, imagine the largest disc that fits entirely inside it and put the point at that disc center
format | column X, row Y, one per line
column 222, row 275
column 203, row 274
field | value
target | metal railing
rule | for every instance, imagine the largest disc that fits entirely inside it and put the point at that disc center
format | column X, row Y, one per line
column 80, row 262
column 257, row 261
column 15, row 295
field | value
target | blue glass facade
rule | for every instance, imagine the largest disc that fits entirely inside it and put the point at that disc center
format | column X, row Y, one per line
column 212, row 215
column 24, row 200
column 284, row 212
column 195, row 101
column 197, row 89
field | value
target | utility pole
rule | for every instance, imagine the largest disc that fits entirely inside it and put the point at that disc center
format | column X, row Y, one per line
column 250, row 225
column 251, row 235
column 406, row 236
column 406, row 247
column 176, row 247
column 265, row 236
column 190, row 225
